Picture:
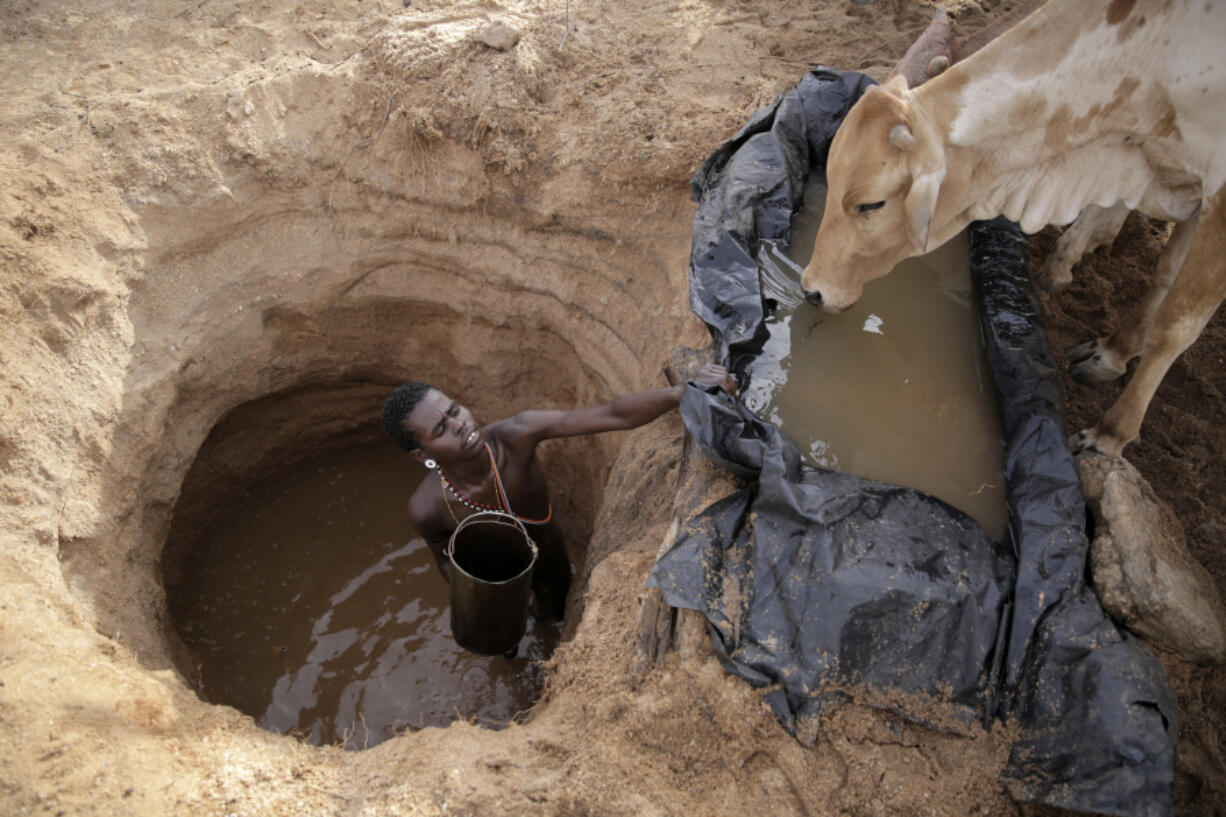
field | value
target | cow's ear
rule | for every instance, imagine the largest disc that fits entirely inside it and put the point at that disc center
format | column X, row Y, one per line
column 920, row 204
column 901, row 137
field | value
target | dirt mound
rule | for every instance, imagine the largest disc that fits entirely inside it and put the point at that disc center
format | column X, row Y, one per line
column 227, row 214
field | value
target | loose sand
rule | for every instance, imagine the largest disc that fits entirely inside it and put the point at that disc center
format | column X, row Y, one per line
column 207, row 203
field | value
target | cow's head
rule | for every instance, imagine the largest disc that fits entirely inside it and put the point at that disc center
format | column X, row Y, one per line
column 885, row 170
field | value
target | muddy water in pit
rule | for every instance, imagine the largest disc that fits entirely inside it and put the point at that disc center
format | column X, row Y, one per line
column 895, row 389
column 314, row 607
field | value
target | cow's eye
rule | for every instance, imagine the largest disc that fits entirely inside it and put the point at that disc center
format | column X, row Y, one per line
column 865, row 209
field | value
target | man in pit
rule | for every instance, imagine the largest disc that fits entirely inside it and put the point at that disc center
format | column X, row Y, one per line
column 494, row 467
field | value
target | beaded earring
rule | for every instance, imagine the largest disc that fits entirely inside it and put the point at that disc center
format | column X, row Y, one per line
column 431, row 464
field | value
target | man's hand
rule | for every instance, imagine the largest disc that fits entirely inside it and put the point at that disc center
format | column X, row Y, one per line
column 712, row 374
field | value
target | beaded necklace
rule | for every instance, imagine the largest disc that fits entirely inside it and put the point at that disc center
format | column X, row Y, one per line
column 472, row 504
column 504, row 505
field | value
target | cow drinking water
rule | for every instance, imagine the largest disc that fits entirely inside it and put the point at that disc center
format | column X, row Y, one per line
column 1082, row 103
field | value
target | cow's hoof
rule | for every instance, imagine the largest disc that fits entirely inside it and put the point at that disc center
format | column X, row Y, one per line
column 1087, row 364
column 1052, row 279
column 1089, row 439
column 1082, row 441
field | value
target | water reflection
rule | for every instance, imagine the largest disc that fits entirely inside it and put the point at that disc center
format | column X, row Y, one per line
column 314, row 607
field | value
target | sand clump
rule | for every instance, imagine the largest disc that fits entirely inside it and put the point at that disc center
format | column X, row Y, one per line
column 257, row 217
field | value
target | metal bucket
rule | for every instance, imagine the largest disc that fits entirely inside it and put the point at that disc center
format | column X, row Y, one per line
column 492, row 559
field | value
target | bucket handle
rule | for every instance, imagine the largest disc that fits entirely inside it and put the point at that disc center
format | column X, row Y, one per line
column 496, row 517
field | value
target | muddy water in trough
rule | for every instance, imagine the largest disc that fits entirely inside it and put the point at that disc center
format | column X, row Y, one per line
column 314, row 607
column 895, row 389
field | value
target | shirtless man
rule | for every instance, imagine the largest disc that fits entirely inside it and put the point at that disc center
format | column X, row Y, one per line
column 494, row 467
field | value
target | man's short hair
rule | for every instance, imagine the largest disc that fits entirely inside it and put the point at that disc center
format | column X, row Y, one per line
column 398, row 406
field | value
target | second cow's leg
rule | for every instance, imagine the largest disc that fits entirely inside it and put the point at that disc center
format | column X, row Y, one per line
column 1177, row 321
column 1108, row 358
column 1094, row 227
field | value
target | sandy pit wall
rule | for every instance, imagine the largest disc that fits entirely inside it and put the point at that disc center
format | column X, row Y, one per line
column 254, row 219
column 275, row 288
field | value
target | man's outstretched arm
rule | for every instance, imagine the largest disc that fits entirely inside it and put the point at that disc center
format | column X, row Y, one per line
column 622, row 413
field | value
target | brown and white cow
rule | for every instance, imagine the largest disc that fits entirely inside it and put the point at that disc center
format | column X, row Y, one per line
column 1082, row 103
column 935, row 50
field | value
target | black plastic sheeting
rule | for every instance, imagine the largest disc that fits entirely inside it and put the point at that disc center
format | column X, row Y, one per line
column 826, row 585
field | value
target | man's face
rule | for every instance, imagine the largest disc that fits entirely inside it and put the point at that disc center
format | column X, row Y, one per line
column 446, row 430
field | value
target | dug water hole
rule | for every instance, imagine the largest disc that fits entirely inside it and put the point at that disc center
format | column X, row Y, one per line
column 897, row 388
column 313, row 606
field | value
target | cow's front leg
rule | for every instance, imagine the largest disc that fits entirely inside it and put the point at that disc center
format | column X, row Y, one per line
column 1176, row 321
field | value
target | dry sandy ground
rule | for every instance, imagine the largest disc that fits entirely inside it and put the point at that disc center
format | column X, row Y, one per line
column 207, row 203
